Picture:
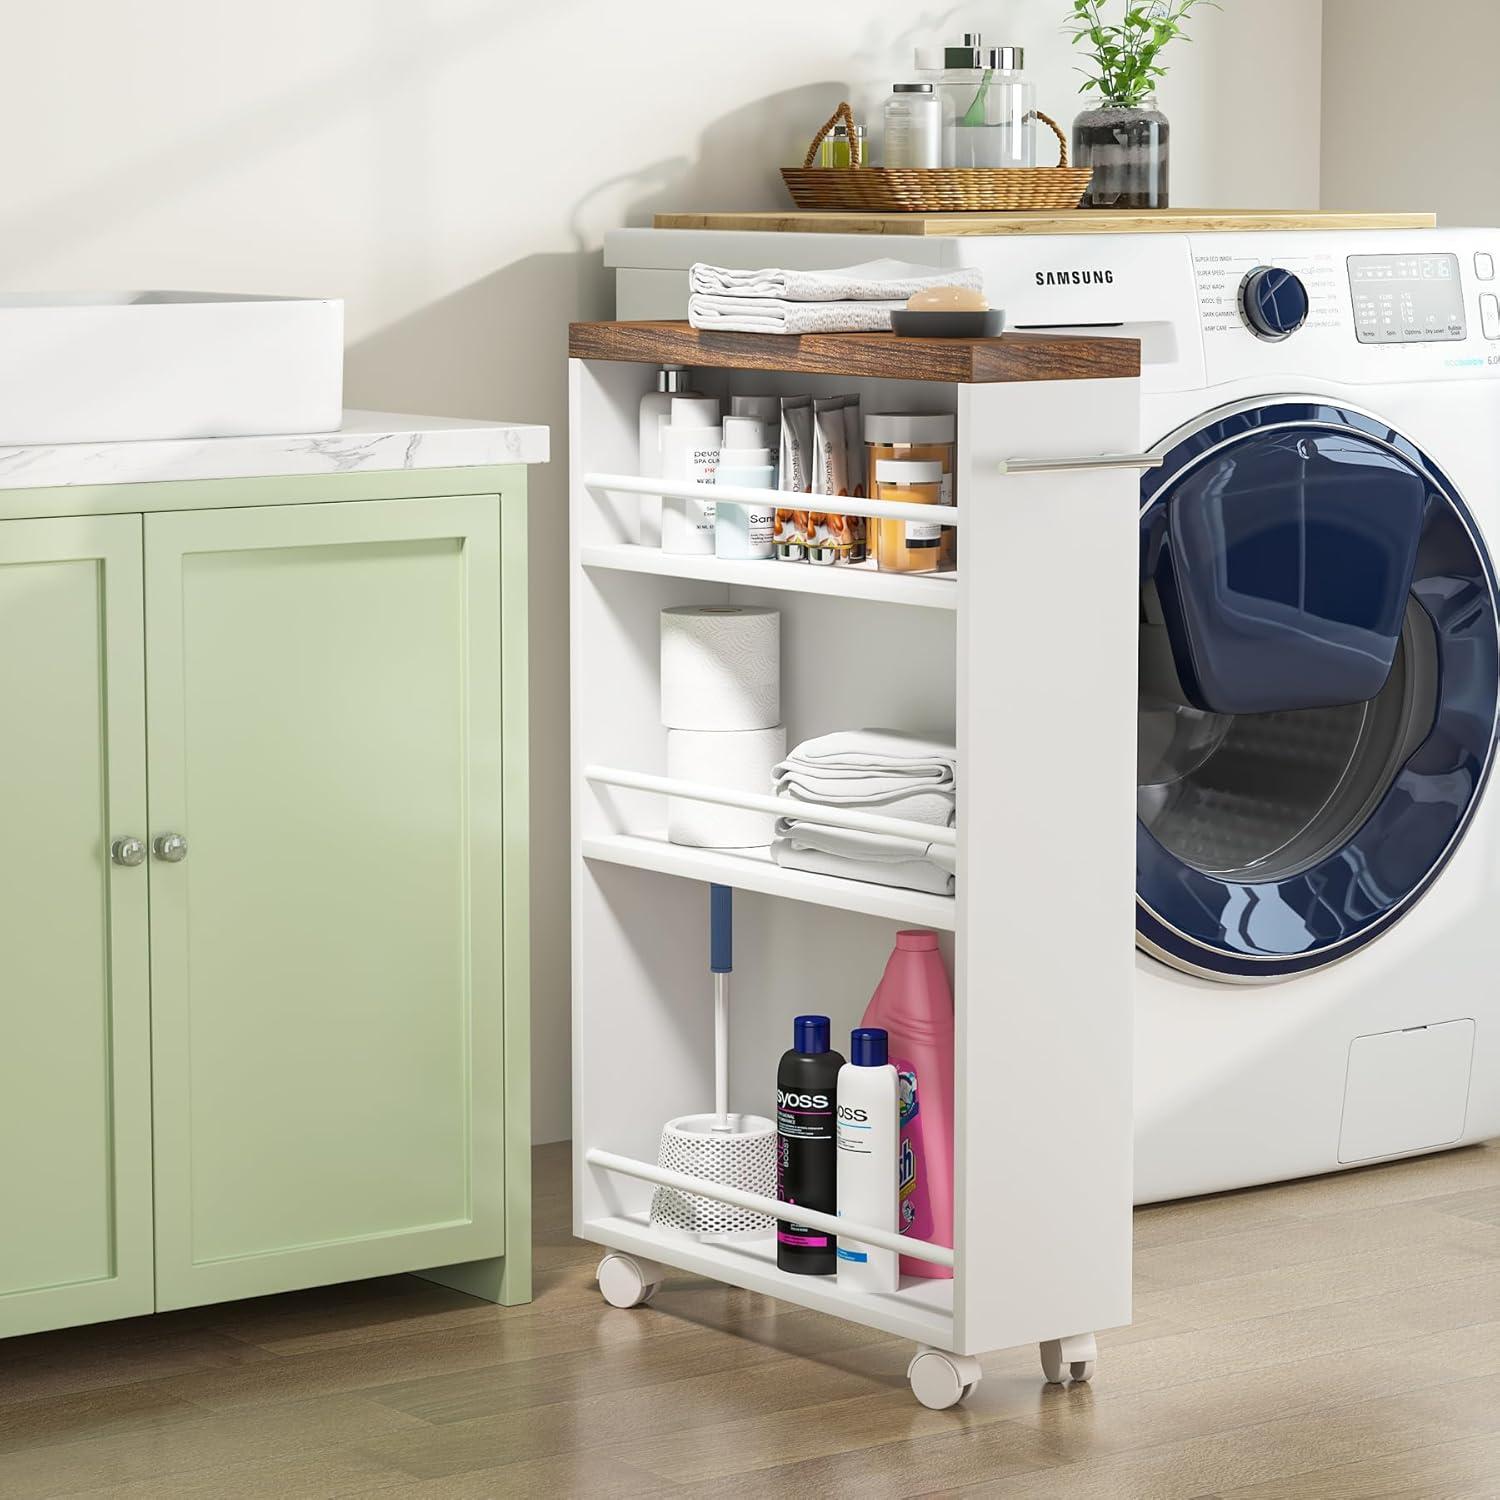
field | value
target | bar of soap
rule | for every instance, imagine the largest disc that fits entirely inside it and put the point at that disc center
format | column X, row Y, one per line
column 947, row 299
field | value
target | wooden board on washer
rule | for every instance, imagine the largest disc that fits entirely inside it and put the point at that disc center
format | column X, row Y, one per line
column 1049, row 221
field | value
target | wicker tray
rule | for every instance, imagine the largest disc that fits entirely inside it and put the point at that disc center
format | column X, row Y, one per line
column 934, row 189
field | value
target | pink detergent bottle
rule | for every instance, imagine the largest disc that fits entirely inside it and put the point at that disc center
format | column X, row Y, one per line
column 914, row 1003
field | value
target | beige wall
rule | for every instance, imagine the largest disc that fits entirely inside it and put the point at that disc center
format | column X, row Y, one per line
column 1409, row 103
column 449, row 167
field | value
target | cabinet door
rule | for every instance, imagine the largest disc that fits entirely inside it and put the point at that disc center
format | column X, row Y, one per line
column 324, row 730
column 75, row 1121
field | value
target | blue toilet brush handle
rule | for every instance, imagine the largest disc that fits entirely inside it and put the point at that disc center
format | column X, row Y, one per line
column 721, row 963
column 720, row 929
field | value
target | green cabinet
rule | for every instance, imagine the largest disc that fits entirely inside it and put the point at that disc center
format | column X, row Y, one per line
column 75, row 1064
column 315, row 1045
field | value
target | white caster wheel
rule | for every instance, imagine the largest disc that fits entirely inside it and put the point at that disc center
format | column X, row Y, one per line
column 627, row 1282
column 1069, row 1359
column 939, row 1379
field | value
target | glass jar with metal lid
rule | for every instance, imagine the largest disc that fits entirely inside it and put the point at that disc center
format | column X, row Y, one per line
column 989, row 106
column 913, row 127
column 840, row 148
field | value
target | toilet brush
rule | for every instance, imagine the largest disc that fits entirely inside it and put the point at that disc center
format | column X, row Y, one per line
column 736, row 1151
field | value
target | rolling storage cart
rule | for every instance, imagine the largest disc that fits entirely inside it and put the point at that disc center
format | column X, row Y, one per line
column 1028, row 652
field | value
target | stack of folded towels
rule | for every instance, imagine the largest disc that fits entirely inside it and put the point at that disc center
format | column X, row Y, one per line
column 885, row 771
column 848, row 299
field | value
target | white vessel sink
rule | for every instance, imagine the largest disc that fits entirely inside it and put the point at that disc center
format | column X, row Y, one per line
column 105, row 366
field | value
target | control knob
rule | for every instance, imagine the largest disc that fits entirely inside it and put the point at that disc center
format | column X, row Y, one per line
column 1274, row 302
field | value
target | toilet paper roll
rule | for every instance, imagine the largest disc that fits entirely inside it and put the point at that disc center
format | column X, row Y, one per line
column 720, row 667
column 741, row 759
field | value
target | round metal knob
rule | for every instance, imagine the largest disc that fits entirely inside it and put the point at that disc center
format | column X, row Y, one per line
column 1275, row 302
column 171, row 847
column 128, row 851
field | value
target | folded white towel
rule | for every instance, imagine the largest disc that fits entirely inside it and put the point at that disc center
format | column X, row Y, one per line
column 767, row 315
column 895, row 752
column 882, row 862
column 870, row 281
column 891, row 796
column 854, row 843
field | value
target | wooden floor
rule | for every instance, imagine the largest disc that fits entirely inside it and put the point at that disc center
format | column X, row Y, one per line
column 1327, row 1339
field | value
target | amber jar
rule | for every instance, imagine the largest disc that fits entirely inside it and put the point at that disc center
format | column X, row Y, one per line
column 926, row 437
column 909, row 546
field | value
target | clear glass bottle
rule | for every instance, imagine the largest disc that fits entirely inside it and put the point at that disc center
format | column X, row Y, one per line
column 989, row 106
column 838, row 150
column 913, row 126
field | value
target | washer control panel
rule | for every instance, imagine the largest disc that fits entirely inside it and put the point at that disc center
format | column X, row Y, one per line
column 1244, row 289
column 1406, row 299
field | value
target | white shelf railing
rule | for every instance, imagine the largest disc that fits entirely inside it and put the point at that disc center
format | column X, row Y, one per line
column 784, row 807
column 848, row 1229
column 734, row 494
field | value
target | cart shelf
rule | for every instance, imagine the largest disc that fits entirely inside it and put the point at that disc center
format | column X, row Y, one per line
column 865, row 581
column 755, row 870
column 921, row 1310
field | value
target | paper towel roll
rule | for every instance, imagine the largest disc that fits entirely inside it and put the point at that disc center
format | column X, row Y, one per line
column 720, row 667
column 742, row 759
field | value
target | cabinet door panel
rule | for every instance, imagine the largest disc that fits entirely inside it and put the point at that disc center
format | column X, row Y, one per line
column 75, row 1143
column 324, row 688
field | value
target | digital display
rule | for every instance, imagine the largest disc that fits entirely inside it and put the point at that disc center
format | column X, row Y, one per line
column 1406, row 299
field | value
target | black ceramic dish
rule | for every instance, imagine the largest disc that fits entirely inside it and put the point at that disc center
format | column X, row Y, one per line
column 948, row 325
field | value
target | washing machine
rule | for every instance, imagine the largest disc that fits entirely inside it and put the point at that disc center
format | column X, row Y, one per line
column 1318, row 842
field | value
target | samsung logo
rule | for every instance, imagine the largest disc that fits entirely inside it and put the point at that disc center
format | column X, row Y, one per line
column 1075, row 278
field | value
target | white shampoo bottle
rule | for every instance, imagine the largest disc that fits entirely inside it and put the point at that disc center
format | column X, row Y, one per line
column 656, row 412
column 869, row 1135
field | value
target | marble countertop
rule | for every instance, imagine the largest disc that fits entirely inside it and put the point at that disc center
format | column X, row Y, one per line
column 368, row 441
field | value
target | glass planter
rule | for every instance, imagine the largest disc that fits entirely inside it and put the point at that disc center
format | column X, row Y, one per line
column 1126, row 145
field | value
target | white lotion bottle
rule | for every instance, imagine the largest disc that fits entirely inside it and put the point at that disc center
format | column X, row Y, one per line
column 869, row 1136
column 690, row 446
column 656, row 412
column 745, row 532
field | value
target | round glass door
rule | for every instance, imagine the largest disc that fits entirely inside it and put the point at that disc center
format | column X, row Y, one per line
column 1318, row 688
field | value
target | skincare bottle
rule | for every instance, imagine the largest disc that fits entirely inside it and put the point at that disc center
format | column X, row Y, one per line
column 656, row 411
column 690, row 445
column 869, row 1133
column 765, row 409
column 806, row 1146
column 746, row 460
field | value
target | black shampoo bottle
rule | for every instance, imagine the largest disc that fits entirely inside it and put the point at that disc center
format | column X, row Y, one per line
column 806, row 1145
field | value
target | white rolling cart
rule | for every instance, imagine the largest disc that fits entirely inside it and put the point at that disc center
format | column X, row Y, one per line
column 1029, row 654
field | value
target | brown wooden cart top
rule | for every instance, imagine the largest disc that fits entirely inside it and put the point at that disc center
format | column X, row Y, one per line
column 1010, row 357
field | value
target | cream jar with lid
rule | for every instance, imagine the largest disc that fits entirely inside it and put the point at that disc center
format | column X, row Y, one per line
column 909, row 546
column 920, row 437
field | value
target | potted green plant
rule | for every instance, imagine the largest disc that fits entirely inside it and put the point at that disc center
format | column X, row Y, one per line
column 1124, row 137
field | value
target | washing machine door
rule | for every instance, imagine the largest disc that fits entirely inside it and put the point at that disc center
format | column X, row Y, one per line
column 1319, row 677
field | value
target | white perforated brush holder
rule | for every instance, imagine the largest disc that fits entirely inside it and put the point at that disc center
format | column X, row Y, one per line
column 744, row 1157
